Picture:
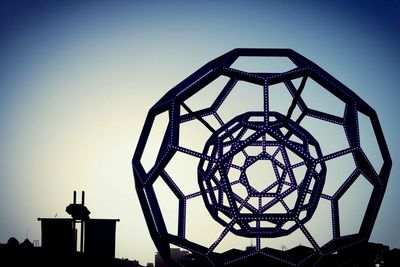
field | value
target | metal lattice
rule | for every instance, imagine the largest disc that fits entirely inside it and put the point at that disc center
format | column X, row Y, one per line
column 260, row 172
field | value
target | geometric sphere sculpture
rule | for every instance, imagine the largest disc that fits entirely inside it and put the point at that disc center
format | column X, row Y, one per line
column 239, row 152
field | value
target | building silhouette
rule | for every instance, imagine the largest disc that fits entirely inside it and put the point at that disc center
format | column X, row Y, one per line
column 97, row 236
column 177, row 254
column 60, row 242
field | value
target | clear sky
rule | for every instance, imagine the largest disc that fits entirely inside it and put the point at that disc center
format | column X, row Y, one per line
column 77, row 80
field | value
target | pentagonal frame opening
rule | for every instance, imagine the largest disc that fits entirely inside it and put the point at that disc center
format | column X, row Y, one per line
column 260, row 175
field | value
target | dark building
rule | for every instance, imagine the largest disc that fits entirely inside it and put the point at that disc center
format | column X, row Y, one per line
column 58, row 235
column 60, row 242
column 100, row 237
column 177, row 255
column 97, row 237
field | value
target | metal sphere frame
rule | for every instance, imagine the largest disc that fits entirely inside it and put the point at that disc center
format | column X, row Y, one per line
column 269, row 133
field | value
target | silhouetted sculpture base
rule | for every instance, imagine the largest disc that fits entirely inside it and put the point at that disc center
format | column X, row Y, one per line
column 368, row 254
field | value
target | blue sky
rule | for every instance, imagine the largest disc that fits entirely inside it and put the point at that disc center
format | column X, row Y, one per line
column 77, row 80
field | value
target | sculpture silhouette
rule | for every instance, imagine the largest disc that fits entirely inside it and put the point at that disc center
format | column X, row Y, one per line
column 78, row 211
column 247, row 203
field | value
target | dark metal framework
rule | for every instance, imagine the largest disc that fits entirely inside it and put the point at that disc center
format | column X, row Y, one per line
column 241, row 207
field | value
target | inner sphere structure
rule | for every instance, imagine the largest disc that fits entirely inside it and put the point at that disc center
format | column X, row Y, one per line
column 229, row 143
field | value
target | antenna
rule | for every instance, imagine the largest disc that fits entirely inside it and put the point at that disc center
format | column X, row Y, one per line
column 83, row 223
column 74, row 200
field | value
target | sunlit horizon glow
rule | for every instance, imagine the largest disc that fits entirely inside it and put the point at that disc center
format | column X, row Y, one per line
column 77, row 80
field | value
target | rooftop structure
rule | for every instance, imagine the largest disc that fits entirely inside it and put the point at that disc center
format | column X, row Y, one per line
column 97, row 236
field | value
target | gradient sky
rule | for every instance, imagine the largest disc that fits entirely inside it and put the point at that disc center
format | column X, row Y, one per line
column 77, row 80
